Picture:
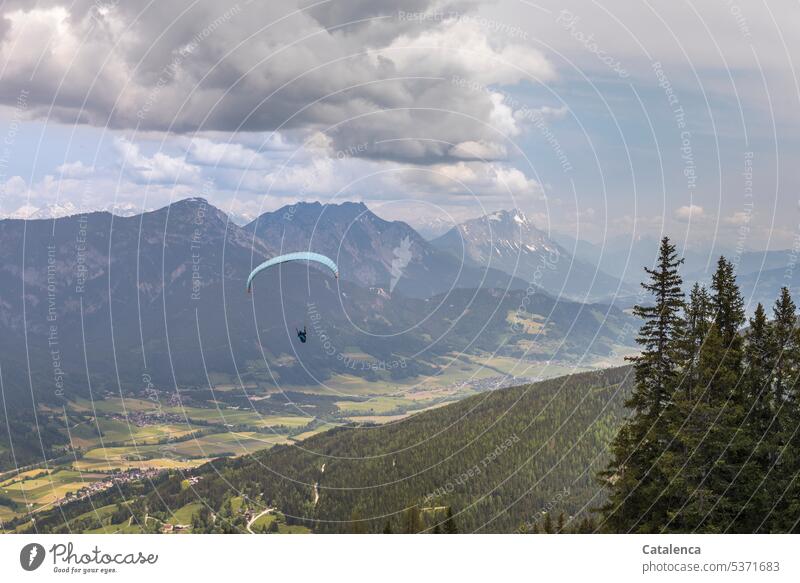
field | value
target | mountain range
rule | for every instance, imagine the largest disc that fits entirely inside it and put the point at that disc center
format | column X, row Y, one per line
column 373, row 252
column 509, row 241
column 97, row 302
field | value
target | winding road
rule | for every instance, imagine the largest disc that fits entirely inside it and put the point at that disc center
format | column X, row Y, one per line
column 256, row 517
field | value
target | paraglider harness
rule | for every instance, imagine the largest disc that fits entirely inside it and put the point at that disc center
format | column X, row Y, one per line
column 301, row 334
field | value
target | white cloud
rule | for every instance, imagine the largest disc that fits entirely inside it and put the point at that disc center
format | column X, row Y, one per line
column 75, row 169
column 690, row 212
column 485, row 180
column 14, row 187
column 228, row 155
column 158, row 168
column 739, row 218
column 480, row 150
column 460, row 46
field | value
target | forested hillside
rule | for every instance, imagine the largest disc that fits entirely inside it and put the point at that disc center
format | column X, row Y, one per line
column 497, row 462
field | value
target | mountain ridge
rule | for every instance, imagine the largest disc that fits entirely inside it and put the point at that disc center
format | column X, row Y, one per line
column 509, row 241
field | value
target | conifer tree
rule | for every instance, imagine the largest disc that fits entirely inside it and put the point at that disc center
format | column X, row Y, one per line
column 656, row 366
column 728, row 311
column 784, row 345
column 450, row 523
column 759, row 364
column 548, row 524
column 412, row 520
column 710, row 444
column 698, row 318
column 633, row 474
column 753, row 499
column 785, row 485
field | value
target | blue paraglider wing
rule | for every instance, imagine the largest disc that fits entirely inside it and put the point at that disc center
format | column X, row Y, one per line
column 301, row 256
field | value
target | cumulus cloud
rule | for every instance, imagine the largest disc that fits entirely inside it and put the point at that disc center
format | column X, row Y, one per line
column 14, row 187
column 481, row 150
column 738, row 219
column 690, row 212
column 158, row 168
column 75, row 169
column 224, row 154
column 483, row 180
column 360, row 72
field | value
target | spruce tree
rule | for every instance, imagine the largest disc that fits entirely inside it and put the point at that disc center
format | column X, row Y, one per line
column 412, row 520
column 711, row 438
column 751, row 492
column 450, row 523
column 785, row 485
column 759, row 364
column 633, row 475
column 728, row 311
column 713, row 443
column 784, row 345
column 656, row 366
column 548, row 524
column 697, row 322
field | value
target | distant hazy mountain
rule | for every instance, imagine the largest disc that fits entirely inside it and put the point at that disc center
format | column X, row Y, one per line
column 509, row 241
column 240, row 219
column 432, row 227
column 67, row 209
column 51, row 211
column 105, row 303
column 760, row 275
column 625, row 256
column 373, row 252
column 751, row 262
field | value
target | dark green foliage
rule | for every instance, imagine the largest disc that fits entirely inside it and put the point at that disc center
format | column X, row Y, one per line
column 784, row 344
column 488, row 464
column 662, row 325
column 634, row 470
column 450, row 523
column 413, row 522
column 711, row 444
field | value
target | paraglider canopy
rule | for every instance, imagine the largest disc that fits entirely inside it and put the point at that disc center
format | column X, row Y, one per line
column 301, row 256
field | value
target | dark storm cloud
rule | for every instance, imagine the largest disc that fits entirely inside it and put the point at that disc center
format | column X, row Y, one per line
column 260, row 66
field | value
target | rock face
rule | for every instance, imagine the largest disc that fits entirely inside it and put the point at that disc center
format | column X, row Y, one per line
column 373, row 252
column 509, row 241
column 106, row 303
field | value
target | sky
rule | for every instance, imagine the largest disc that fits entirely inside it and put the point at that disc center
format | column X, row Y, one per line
column 603, row 119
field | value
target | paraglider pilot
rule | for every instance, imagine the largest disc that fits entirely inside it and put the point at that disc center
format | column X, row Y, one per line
column 301, row 334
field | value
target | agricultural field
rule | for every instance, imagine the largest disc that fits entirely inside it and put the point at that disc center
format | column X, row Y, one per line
column 234, row 417
column 315, row 431
column 373, row 406
column 184, row 514
column 113, row 405
column 266, row 521
column 182, row 454
column 40, row 489
column 104, row 431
